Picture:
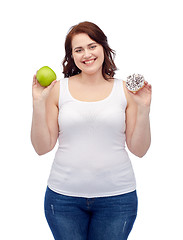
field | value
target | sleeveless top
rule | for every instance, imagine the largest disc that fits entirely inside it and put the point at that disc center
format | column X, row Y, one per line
column 91, row 159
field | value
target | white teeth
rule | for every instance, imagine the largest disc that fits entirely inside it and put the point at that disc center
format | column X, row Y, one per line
column 88, row 62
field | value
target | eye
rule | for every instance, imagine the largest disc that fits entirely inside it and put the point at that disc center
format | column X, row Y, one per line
column 93, row 46
column 78, row 50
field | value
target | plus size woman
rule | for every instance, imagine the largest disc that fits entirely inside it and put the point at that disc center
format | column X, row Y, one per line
column 91, row 192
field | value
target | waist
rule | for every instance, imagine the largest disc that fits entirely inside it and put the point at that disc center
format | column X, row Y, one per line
column 92, row 176
column 93, row 160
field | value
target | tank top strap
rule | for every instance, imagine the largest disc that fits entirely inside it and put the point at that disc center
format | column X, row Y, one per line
column 120, row 93
column 63, row 95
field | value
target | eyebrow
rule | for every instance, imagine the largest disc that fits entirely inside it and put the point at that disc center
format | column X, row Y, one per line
column 87, row 45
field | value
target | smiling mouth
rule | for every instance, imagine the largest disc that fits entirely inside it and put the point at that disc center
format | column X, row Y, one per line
column 89, row 62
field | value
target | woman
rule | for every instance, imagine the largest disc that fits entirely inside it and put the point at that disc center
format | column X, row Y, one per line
column 91, row 191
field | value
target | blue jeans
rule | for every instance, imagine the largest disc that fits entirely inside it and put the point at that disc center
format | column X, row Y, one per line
column 101, row 218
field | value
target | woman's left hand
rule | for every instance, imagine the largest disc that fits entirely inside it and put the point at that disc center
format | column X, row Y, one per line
column 143, row 96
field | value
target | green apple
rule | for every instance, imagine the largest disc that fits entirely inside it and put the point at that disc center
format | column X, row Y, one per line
column 45, row 76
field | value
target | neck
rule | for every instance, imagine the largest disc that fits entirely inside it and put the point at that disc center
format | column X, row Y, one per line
column 93, row 79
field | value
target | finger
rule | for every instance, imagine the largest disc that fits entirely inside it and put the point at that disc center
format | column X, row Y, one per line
column 51, row 85
column 34, row 80
column 145, row 82
column 131, row 92
column 147, row 85
column 150, row 87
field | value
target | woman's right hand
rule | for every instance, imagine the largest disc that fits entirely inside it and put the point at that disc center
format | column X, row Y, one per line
column 40, row 93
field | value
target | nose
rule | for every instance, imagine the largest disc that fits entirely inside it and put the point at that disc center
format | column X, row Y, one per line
column 87, row 54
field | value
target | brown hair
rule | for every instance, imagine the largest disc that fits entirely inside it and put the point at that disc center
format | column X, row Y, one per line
column 96, row 34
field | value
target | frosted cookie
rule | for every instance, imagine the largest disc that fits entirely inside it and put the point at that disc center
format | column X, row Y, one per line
column 135, row 82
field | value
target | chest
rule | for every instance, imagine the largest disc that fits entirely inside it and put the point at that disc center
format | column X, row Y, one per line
column 90, row 93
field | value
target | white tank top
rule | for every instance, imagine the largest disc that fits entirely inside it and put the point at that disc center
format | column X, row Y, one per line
column 91, row 160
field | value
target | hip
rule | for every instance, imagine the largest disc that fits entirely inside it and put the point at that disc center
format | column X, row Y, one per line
column 126, row 203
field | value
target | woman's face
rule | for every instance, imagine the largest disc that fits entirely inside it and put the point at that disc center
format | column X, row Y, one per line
column 88, row 55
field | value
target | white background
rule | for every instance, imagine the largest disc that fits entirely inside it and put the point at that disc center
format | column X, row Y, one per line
column 147, row 37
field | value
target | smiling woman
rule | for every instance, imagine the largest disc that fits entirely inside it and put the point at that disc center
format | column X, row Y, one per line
column 91, row 187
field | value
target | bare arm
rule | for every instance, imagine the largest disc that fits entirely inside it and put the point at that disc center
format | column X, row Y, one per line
column 138, row 135
column 44, row 130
